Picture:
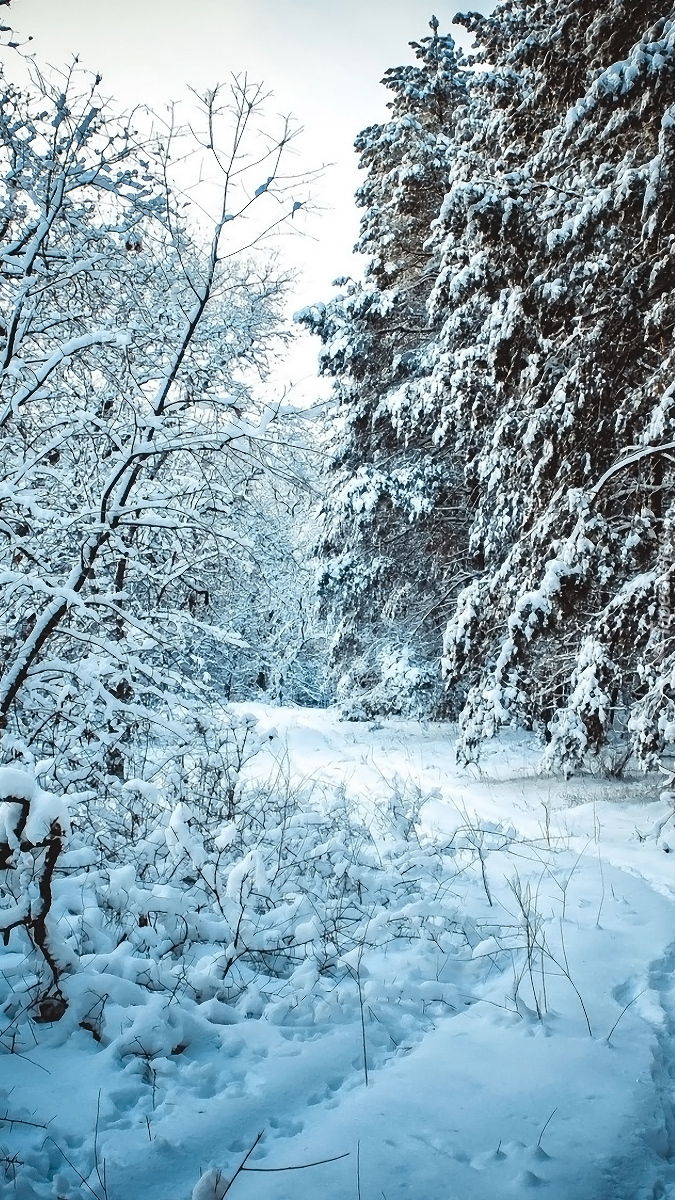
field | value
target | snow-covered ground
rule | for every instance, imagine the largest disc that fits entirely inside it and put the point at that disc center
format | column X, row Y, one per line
column 517, row 1033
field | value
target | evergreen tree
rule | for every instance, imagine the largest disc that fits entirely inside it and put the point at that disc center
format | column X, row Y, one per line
column 389, row 525
column 565, row 372
column 537, row 398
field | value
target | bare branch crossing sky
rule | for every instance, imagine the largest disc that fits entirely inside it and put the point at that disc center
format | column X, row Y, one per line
column 323, row 62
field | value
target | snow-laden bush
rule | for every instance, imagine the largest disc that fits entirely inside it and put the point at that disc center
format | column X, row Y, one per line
column 178, row 915
column 387, row 680
column 33, row 826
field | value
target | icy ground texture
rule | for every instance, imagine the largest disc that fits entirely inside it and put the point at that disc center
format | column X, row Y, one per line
column 492, row 949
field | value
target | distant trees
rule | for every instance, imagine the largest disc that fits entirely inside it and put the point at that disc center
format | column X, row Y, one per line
column 133, row 452
column 546, row 400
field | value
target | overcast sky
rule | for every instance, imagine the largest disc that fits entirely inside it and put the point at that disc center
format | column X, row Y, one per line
column 322, row 60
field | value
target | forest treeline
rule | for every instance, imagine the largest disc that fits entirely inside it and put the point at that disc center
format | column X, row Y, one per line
column 496, row 536
column 501, row 489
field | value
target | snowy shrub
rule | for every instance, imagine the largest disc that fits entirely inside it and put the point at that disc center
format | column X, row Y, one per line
column 387, row 680
column 179, row 915
column 33, row 829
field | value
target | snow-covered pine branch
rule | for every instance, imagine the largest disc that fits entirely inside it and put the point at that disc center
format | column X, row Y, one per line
column 503, row 388
column 395, row 510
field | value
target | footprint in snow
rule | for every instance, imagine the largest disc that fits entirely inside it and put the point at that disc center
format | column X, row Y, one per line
column 236, row 1147
column 285, row 1126
column 123, row 1100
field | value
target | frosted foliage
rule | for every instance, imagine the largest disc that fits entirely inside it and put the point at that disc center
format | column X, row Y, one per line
column 580, row 648
column 541, row 395
column 385, row 490
column 148, row 563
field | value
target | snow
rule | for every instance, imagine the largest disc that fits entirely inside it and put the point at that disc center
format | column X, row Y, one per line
column 44, row 810
column 482, row 1080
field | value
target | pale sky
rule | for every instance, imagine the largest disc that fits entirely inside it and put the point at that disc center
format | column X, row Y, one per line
column 322, row 60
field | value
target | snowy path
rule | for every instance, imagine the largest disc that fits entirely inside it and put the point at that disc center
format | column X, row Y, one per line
column 488, row 1100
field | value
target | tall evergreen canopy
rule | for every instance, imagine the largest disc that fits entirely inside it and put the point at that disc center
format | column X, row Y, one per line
column 392, row 500
column 503, row 462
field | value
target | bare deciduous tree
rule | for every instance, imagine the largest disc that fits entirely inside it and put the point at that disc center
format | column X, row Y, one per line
column 133, row 325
